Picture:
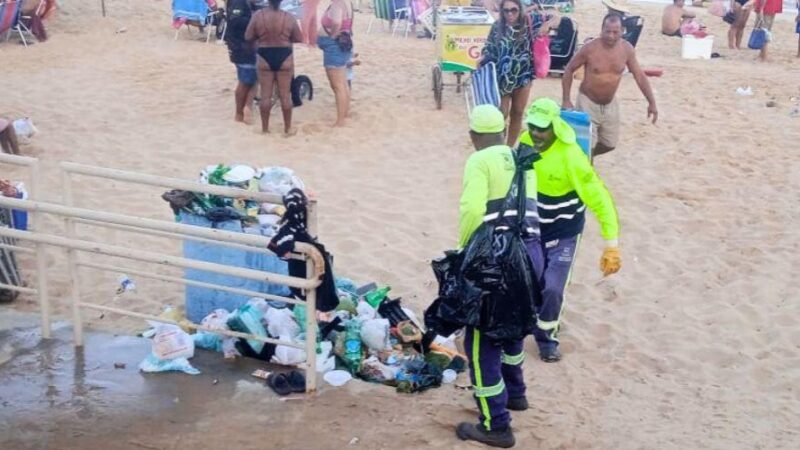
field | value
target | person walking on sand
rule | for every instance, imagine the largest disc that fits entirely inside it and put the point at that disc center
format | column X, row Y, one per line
column 335, row 40
column 566, row 185
column 274, row 32
column 765, row 17
column 740, row 9
column 605, row 60
column 509, row 47
column 243, row 56
column 495, row 367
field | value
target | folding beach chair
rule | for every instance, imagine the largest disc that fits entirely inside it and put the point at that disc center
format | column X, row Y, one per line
column 483, row 89
column 563, row 44
column 10, row 14
column 402, row 11
column 34, row 20
column 633, row 26
column 199, row 13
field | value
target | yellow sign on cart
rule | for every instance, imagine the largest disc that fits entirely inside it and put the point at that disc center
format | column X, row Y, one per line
column 461, row 45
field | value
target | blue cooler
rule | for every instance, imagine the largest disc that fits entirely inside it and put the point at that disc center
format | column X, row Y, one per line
column 581, row 122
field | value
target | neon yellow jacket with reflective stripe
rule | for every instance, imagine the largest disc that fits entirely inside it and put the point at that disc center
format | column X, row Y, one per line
column 566, row 185
column 487, row 179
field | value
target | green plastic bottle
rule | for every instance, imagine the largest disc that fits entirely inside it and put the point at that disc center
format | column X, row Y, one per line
column 374, row 298
column 352, row 346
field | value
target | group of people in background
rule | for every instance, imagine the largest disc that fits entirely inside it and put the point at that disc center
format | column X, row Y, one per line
column 676, row 19
column 260, row 39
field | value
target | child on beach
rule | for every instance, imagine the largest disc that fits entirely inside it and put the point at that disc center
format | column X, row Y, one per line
column 354, row 61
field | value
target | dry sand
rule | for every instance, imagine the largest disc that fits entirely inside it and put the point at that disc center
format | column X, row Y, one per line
column 694, row 344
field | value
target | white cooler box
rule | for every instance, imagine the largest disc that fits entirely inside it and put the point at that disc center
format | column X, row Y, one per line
column 696, row 48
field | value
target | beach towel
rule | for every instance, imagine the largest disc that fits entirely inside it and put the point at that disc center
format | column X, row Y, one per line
column 541, row 56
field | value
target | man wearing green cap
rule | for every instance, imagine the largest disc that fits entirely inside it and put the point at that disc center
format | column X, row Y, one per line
column 495, row 366
column 566, row 185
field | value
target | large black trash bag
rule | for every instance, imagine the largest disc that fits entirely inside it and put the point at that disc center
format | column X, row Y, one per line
column 490, row 285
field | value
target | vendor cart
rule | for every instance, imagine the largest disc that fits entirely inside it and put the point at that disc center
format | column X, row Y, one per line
column 461, row 32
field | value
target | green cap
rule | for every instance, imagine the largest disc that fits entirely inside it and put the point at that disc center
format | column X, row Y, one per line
column 487, row 119
column 543, row 112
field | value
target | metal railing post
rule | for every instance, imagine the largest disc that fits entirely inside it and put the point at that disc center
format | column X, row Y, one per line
column 311, row 328
column 41, row 256
column 72, row 263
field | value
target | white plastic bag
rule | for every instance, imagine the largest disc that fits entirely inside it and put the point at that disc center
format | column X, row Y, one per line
column 375, row 334
column 325, row 361
column 279, row 181
column 280, row 322
column 170, row 342
column 365, row 311
column 288, row 356
column 25, row 127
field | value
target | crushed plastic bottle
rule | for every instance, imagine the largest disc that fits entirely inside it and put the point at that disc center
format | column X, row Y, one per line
column 125, row 285
column 374, row 298
column 352, row 346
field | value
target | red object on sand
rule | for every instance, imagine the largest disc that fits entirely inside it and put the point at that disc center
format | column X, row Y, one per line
column 653, row 72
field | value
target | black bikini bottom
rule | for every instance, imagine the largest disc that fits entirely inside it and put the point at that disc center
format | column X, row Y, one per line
column 275, row 56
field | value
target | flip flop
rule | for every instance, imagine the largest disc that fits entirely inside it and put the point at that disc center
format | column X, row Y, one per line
column 279, row 383
column 297, row 382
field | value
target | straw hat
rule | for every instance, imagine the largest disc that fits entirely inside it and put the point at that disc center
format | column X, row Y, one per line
column 617, row 5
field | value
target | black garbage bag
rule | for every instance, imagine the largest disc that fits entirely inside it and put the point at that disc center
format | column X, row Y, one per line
column 490, row 285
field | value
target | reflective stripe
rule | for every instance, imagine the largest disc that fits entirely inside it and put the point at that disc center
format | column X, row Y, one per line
column 547, row 326
column 491, row 391
column 509, row 213
column 563, row 216
column 476, row 364
column 574, row 201
column 513, row 360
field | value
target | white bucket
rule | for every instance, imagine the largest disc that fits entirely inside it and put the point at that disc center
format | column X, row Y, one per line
column 696, row 48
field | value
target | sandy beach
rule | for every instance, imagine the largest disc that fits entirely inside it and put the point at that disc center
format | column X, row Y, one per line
column 694, row 344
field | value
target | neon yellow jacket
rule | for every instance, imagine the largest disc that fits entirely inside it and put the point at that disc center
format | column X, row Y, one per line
column 566, row 185
column 487, row 179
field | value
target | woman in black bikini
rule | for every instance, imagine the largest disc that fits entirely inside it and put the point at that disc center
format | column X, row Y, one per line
column 741, row 12
column 274, row 32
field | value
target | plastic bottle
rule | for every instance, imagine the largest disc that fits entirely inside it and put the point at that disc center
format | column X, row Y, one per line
column 352, row 346
column 374, row 298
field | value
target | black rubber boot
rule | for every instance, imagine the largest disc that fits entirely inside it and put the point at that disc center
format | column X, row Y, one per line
column 550, row 355
column 496, row 438
column 517, row 404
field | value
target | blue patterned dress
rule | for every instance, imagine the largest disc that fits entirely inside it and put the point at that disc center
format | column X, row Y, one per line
column 512, row 56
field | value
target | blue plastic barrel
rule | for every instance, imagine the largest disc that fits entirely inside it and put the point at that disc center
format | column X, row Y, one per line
column 581, row 122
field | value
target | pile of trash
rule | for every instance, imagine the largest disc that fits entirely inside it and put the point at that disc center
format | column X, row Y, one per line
column 257, row 218
column 368, row 336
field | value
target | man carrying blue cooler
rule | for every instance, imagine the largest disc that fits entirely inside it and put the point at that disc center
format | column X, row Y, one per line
column 495, row 366
column 566, row 185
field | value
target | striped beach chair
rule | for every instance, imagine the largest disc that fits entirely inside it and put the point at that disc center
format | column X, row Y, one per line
column 483, row 89
column 10, row 13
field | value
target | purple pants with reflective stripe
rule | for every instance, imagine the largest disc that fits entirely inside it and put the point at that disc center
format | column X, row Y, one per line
column 486, row 362
column 558, row 258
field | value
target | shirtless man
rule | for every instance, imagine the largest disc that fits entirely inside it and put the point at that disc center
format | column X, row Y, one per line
column 673, row 17
column 605, row 59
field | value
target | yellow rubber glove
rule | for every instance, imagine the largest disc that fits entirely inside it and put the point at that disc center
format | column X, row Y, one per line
column 610, row 262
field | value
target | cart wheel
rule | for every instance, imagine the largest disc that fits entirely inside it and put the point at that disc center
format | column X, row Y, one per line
column 438, row 87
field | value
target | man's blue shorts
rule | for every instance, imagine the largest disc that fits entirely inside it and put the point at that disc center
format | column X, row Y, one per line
column 247, row 74
column 332, row 55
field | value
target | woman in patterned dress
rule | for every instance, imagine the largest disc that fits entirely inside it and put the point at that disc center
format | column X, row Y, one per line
column 509, row 47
